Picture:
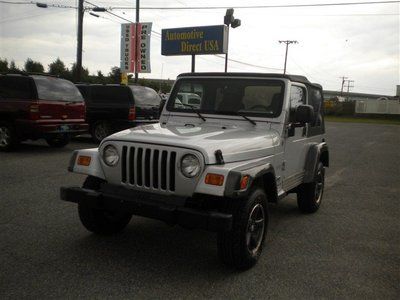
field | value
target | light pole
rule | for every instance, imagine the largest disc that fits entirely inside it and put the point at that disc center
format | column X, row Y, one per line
column 287, row 48
column 229, row 20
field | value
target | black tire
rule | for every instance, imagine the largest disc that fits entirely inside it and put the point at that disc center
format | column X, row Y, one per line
column 99, row 221
column 100, row 130
column 238, row 248
column 8, row 137
column 309, row 195
column 58, row 141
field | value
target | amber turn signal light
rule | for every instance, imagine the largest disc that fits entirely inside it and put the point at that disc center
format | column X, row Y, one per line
column 244, row 182
column 84, row 160
column 214, row 179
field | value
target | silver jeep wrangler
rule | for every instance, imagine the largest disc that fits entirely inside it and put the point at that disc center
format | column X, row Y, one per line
column 252, row 139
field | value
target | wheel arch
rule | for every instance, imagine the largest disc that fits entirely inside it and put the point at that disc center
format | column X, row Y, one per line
column 316, row 153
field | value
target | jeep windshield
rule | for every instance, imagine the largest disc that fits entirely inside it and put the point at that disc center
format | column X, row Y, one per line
column 228, row 96
column 57, row 89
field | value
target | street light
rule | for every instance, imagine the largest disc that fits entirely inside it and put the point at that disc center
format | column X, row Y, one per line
column 229, row 20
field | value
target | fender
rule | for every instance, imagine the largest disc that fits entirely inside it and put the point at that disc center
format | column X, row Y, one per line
column 316, row 153
column 94, row 168
column 263, row 173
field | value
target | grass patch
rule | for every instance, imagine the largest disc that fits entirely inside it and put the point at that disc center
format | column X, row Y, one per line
column 362, row 120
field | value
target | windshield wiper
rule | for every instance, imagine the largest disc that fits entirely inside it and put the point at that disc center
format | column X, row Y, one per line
column 194, row 110
column 247, row 118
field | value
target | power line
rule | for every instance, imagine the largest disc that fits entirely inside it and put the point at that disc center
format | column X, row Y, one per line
column 248, row 64
column 122, row 18
column 258, row 6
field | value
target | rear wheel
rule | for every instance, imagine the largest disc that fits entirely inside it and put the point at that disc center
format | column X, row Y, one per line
column 99, row 221
column 242, row 246
column 309, row 195
column 57, row 141
column 100, row 130
column 8, row 137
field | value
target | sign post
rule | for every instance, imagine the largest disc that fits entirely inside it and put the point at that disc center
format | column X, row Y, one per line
column 194, row 41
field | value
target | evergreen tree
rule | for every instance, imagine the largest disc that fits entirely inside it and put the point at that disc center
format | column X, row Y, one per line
column 115, row 75
column 58, row 68
column 3, row 65
column 33, row 66
column 13, row 68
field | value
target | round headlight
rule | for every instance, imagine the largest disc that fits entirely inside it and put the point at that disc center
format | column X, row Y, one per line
column 190, row 165
column 110, row 156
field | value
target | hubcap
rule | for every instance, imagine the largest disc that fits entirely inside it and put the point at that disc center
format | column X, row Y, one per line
column 255, row 228
column 100, row 131
column 4, row 136
column 319, row 186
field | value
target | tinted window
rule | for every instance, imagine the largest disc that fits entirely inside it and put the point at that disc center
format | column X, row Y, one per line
column 258, row 97
column 145, row 96
column 15, row 87
column 84, row 91
column 51, row 88
column 110, row 94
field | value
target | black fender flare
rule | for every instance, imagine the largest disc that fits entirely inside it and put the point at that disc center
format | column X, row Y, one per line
column 259, row 174
column 316, row 153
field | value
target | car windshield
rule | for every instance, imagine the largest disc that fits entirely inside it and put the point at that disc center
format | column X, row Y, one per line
column 52, row 88
column 145, row 96
column 233, row 96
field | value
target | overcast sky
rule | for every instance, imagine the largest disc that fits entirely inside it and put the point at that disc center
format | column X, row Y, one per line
column 360, row 42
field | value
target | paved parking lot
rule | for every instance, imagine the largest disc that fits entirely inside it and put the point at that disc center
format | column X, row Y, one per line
column 349, row 249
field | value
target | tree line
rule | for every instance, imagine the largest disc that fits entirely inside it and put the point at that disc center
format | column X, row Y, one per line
column 58, row 68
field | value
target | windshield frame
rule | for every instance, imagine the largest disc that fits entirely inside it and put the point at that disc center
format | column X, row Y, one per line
column 273, row 81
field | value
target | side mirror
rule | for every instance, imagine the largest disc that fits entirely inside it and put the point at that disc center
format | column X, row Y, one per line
column 304, row 114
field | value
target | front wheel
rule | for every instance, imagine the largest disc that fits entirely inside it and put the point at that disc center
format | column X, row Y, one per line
column 100, row 221
column 242, row 246
column 8, row 137
column 100, row 130
column 309, row 195
column 57, row 141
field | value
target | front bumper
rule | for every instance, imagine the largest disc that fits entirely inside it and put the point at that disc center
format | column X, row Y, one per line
column 165, row 208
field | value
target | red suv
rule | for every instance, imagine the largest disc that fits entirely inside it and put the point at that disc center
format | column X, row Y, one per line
column 39, row 106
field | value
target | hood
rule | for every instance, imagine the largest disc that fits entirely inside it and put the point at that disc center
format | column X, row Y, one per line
column 236, row 143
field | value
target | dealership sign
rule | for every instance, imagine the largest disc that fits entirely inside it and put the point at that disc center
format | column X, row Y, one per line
column 194, row 40
column 130, row 58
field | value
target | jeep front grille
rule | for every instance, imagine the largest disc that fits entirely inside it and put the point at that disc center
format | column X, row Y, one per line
column 148, row 168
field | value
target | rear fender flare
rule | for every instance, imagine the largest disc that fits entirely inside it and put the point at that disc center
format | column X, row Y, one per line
column 316, row 153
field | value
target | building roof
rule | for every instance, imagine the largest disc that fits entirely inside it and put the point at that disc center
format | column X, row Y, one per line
column 354, row 94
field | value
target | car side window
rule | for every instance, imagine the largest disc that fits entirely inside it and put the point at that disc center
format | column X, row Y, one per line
column 297, row 97
column 316, row 101
column 13, row 87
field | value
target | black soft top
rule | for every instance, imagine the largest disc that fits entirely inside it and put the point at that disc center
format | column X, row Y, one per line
column 294, row 78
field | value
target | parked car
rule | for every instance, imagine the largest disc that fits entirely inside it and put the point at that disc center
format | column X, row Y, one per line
column 39, row 106
column 111, row 107
column 254, row 139
column 189, row 99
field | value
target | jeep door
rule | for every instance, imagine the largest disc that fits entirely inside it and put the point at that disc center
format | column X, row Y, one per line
column 295, row 141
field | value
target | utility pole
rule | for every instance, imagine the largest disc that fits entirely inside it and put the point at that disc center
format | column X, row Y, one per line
column 78, row 71
column 287, row 42
column 349, row 82
column 137, row 56
column 343, row 81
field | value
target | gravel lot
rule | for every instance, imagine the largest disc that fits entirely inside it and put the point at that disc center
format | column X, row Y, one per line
column 349, row 249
